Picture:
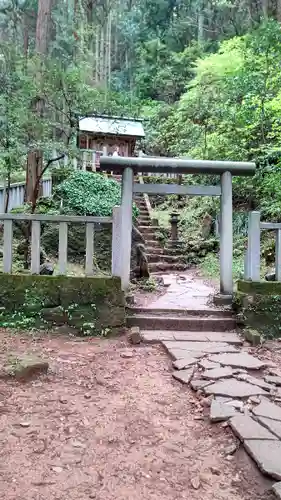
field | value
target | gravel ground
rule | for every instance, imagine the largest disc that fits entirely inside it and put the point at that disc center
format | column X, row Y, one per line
column 108, row 422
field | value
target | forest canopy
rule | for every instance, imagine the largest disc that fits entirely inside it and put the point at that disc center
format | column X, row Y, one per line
column 205, row 77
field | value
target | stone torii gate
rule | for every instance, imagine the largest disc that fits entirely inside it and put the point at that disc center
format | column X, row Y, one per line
column 132, row 166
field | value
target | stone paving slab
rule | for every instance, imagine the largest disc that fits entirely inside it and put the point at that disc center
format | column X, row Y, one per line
column 156, row 336
column 208, row 365
column 268, row 410
column 267, row 455
column 217, row 337
column 181, row 364
column 276, row 488
column 273, row 426
column 239, row 360
column 254, row 380
column 206, row 347
column 220, row 411
column 198, row 383
column 228, row 337
column 181, row 354
column 183, row 376
column 246, row 428
column 190, row 336
column 233, row 388
column 271, row 379
column 218, row 373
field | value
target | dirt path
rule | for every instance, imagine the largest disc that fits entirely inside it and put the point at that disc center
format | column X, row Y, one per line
column 105, row 427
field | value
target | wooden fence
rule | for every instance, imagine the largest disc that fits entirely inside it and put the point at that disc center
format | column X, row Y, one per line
column 62, row 221
column 17, row 192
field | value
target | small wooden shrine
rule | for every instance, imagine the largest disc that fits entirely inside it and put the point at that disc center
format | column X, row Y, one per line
column 107, row 136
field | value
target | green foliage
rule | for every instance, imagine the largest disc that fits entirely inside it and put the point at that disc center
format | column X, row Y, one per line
column 87, row 193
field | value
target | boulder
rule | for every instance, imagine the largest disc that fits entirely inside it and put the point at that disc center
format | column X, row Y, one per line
column 47, row 269
column 270, row 276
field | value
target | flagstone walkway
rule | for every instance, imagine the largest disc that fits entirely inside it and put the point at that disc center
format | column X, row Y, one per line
column 241, row 389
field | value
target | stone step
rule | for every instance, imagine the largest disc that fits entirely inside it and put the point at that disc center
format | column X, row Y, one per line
column 166, row 266
column 150, row 228
column 154, row 250
column 144, row 219
column 187, row 324
column 157, row 336
column 164, row 258
column 180, row 313
column 173, row 251
column 151, row 242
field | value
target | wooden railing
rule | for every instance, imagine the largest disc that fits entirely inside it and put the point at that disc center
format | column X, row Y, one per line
column 63, row 221
column 17, row 192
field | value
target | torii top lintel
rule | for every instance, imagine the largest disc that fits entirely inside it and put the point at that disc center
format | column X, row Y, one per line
column 177, row 166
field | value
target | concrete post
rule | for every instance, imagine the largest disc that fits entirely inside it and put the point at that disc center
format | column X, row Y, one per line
column 93, row 161
column 116, row 242
column 226, row 236
column 253, row 251
column 126, row 225
column 278, row 256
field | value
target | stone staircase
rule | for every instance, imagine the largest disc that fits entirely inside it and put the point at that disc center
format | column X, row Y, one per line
column 198, row 325
column 160, row 259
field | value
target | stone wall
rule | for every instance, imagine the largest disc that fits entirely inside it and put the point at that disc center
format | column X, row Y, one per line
column 87, row 305
column 258, row 305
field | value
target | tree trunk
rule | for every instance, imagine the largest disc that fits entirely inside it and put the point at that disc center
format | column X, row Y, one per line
column 278, row 11
column 35, row 158
column 200, row 26
column 43, row 26
column 265, row 8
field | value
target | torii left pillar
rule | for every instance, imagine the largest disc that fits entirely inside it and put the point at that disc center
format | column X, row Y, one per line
column 126, row 226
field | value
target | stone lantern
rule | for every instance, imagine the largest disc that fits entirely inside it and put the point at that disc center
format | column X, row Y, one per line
column 174, row 220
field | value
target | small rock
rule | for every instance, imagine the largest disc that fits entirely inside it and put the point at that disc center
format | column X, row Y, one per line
column 229, row 458
column 25, row 424
column 270, row 276
column 252, row 336
column 47, row 269
column 92, row 496
column 273, row 380
column 127, row 354
column 130, row 300
column 207, row 401
column 78, row 444
column 254, row 399
column 63, row 400
column 57, row 469
column 231, row 449
column 215, row 471
column 87, row 396
column 224, row 425
column 135, row 336
column 236, row 481
column 195, row 483
column 23, row 367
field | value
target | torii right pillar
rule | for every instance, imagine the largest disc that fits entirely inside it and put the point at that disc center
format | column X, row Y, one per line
column 226, row 235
